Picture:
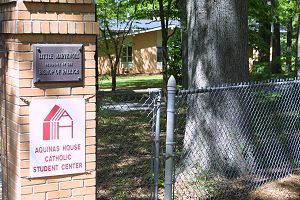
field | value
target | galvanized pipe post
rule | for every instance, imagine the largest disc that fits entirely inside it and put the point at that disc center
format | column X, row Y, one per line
column 171, row 91
column 157, row 143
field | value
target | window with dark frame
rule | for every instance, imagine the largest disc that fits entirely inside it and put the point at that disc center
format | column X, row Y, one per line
column 159, row 56
column 127, row 54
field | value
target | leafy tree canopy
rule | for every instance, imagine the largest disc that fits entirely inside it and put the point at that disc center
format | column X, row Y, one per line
column 287, row 9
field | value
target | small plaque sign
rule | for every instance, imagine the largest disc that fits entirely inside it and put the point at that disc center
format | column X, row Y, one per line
column 57, row 63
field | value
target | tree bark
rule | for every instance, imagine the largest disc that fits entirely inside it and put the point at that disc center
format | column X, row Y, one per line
column 276, row 50
column 165, row 59
column 164, row 35
column 217, row 42
column 113, row 76
column 289, row 37
column 265, row 34
column 298, row 42
column 217, row 39
column 184, row 40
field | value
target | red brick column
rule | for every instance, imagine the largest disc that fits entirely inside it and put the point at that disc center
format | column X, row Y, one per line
column 23, row 24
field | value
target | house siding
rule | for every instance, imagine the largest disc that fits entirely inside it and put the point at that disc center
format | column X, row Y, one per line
column 144, row 55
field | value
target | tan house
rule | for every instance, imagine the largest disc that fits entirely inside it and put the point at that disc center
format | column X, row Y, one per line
column 142, row 52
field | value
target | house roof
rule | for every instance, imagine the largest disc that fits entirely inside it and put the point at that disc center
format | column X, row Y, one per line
column 141, row 25
column 56, row 113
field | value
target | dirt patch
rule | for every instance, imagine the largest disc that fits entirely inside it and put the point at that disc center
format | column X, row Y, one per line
column 286, row 188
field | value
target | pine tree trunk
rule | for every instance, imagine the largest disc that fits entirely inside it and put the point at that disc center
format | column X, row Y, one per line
column 276, row 50
column 184, row 46
column 298, row 42
column 298, row 49
column 113, row 81
column 165, row 61
column 113, row 77
column 265, row 34
column 217, row 53
column 289, row 37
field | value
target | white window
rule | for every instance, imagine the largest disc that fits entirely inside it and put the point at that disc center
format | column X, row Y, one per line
column 127, row 54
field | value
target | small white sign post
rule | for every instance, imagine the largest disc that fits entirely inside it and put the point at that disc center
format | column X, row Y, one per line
column 57, row 137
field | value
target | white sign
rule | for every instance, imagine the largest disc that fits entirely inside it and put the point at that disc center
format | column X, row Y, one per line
column 57, row 137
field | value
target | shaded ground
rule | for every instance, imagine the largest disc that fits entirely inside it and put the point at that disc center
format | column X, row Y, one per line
column 125, row 165
column 285, row 189
column 123, row 155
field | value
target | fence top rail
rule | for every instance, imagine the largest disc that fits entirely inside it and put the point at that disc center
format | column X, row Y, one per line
column 127, row 92
column 234, row 86
column 3, row 51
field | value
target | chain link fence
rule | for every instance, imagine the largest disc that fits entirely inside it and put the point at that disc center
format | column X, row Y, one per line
column 234, row 138
column 128, row 144
column 228, row 140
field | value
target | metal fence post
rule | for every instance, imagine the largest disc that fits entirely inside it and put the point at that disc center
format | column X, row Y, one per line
column 157, row 143
column 171, row 89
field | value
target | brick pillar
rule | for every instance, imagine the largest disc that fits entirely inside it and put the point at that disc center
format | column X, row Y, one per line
column 23, row 24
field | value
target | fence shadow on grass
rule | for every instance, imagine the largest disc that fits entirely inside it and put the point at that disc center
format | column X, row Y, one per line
column 125, row 146
column 123, row 155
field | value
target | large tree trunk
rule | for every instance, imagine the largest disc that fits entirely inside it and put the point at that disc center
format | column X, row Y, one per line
column 217, row 42
column 217, row 39
column 276, row 50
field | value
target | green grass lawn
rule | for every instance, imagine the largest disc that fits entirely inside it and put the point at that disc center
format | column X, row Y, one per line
column 132, row 82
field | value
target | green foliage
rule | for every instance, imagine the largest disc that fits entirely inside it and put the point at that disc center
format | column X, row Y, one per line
column 152, row 10
column 116, row 9
column 261, row 72
column 261, row 15
column 286, row 9
column 260, row 10
column 175, row 57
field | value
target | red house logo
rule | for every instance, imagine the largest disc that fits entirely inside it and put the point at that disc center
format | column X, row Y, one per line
column 58, row 120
